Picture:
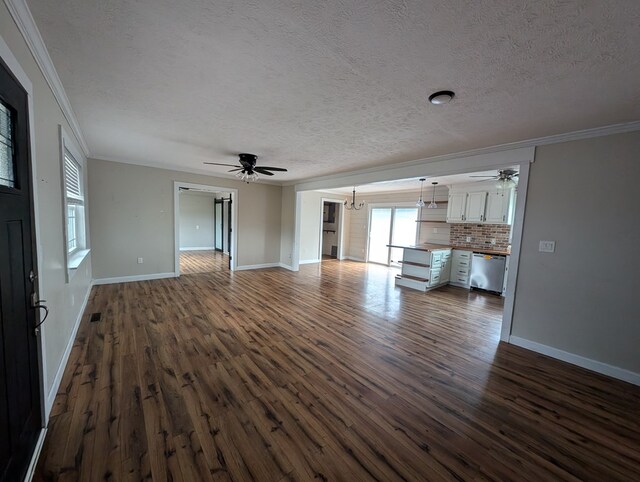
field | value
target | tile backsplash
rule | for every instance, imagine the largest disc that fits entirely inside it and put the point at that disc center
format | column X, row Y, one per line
column 481, row 235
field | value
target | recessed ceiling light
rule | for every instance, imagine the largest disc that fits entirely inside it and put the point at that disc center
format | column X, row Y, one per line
column 441, row 97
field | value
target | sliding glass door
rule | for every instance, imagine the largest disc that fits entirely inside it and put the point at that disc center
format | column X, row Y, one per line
column 393, row 225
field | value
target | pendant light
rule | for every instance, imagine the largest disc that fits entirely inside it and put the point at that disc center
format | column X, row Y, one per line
column 432, row 204
column 420, row 202
column 352, row 205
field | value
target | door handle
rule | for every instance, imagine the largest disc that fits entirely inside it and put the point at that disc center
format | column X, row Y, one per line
column 39, row 305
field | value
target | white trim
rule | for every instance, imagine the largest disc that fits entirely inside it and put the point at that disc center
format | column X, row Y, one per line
column 295, row 257
column 286, row 266
column 201, row 248
column 233, row 250
column 588, row 363
column 258, row 266
column 31, row 470
column 340, row 233
column 27, row 26
column 355, row 258
column 129, row 279
column 310, row 261
column 55, row 385
column 516, row 244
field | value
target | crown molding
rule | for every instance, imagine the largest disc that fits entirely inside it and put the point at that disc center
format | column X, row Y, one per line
column 483, row 151
column 27, row 26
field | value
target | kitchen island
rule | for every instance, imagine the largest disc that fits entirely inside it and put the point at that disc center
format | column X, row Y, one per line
column 424, row 266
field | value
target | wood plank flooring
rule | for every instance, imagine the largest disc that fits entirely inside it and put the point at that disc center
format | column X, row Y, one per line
column 204, row 261
column 331, row 373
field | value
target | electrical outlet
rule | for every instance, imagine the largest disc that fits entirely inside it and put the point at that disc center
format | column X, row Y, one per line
column 468, row 239
column 547, row 246
column 494, row 240
column 140, row 260
column 435, row 230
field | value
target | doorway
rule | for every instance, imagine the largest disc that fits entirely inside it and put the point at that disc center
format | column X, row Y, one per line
column 331, row 232
column 391, row 226
column 20, row 390
column 205, row 228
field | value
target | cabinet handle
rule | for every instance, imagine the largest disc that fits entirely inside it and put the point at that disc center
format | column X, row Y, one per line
column 504, row 217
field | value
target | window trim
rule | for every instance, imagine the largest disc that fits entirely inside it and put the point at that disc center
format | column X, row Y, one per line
column 73, row 258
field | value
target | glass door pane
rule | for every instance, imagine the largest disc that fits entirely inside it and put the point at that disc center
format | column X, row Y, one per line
column 218, row 224
column 404, row 231
column 379, row 235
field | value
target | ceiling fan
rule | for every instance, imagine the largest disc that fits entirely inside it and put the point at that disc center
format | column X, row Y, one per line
column 247, row 170
column 503, row 175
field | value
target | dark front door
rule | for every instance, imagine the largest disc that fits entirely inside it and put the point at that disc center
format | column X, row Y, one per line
column 20, row 417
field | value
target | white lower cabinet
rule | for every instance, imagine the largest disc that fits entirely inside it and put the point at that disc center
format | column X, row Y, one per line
column 424, row 270
column 461, row 268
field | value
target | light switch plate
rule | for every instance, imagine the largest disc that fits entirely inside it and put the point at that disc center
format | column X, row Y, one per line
column 547, row 246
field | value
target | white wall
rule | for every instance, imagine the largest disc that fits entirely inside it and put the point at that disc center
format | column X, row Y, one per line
column 65, row 300
column 196, row 220
column 310, row 225
column 131, row 214
column 582, row 299
column 287, row 225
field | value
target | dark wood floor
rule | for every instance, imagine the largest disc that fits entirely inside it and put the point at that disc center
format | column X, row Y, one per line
column 203, row 261
column 327, row 374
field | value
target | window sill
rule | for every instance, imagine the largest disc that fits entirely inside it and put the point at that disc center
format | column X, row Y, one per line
column 76, row 258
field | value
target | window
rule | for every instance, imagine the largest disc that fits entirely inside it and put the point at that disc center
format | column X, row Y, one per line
column 74, row 205
column 7, row 167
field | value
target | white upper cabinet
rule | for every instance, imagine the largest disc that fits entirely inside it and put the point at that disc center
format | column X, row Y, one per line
column 475, row 207
column 480, row 203
column 497, row 211
column 456, row 207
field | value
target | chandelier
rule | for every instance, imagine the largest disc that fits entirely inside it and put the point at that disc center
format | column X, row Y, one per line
column 352, row 205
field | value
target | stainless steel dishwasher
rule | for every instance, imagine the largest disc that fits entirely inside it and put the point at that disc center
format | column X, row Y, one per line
column 487, row 271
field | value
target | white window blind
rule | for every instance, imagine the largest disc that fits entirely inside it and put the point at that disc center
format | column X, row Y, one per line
column 72, row 179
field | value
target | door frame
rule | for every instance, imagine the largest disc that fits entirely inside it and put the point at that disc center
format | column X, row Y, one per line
column 176, row 220
column 340, row 233
column 23, row 79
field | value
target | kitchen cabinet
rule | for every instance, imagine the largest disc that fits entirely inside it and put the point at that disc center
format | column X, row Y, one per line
column 497, row 207
column 474, row 212
column 480, row 204
column 456, row 207
column 424, row 267
column 460, row 267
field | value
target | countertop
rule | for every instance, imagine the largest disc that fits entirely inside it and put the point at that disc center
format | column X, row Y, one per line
column 422, row 247
column 503, row 252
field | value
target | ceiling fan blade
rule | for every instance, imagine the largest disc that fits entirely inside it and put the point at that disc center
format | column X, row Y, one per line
column 485, row 176
column 261, row 170
column 515, row 175
column 280, row 169
column 218, row 164
column 236, row 169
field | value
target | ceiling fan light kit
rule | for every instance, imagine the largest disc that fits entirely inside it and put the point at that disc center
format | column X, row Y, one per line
column 247, row 171
column 442, row 97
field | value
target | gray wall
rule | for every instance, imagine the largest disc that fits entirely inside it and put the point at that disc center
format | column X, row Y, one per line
column 131, row 212
column 583, row 298
column 64, row 299
column 196, row 220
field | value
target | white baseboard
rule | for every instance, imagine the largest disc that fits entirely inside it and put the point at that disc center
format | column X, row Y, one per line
column 31, row 470
column 588, row 363
column 353, row 258
column 310, row 261
column 128, row 279
column 286, row 266
column 51, row 396
column 257, row 266
column 205, row 248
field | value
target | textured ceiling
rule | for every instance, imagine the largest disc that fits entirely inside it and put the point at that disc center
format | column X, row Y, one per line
column 323, row 87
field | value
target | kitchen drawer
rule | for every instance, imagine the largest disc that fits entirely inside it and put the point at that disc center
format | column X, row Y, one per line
column 464, row 263
column 460, row 272
column 461, row 280
column 463, row 254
